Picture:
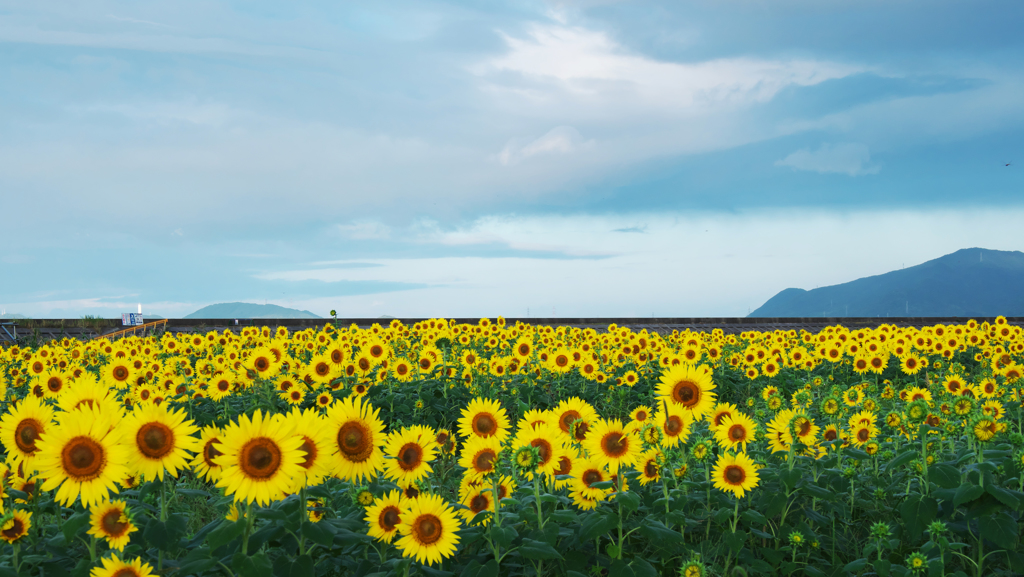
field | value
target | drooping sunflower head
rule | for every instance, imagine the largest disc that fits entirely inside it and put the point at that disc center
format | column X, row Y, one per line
column 16, row 527
column 310, row 428
column 574, row 416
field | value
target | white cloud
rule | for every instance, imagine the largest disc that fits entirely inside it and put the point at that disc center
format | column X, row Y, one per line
column 364, row 230
column 557, row 141
column 591, row 66
column 685, row 264
column 845, row 158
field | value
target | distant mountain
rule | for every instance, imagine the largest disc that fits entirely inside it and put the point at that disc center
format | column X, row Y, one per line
column 249, row 311
column 972, row 282
column 10, row 316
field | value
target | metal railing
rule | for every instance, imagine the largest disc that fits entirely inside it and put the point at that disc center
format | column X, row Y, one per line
column 132, row 331
column 6, row 334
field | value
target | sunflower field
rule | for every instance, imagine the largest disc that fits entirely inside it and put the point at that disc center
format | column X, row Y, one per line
column 498, row 449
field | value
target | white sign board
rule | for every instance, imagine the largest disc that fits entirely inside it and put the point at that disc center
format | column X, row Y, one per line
column 131, row 319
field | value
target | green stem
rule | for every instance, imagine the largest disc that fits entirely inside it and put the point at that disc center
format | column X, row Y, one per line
column 302, row 522
column 248, row 529
column 618, row 483
column 537, row 477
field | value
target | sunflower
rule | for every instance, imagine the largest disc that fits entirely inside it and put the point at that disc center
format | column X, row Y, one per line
column 114, row 567
column 549, row 442
column 862, row 433
column 118, row 373
column 779, row 436
column 911, row 365
column 160, row 440
column 954, row 384
column 429, row 529
column 984, row 428
column 688, row 386
column 16, row 527
column 384, row 515
column 83, row 455
column 611, row 446
column 674, row 424
column 410, row 451
column 852, row 397
column 484, row 418
column 574, row 416
column 309, row 426
column 22, row 427
column 639, row 417
column 479, row 456
column 650, row 470
column 736, row 431
column 87, row 390
column 721, row 411
column 111, row 521
column 204, row 464
column 260, row 456
column 476, row 500
column 585, row 474
column 736, row 473
column 802, row 427
column 356, row 434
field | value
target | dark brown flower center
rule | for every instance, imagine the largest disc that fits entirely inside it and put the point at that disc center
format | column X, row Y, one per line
column 735, row 474
column 354, row 441
column 26, row 433
column 155, row 440
column 260, row 458
column 410, row 456
column 83, row 458
column 427, row 529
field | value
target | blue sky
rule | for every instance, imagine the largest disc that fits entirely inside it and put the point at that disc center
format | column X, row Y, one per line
column 590, row 158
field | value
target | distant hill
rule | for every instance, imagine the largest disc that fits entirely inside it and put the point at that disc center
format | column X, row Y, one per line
column 249, row 311
column 10, row 316
column 971, row 282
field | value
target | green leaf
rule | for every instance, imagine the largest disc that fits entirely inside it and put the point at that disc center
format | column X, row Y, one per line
column 256, row 566
column 902, row 459
column 791, row 478
column 532, row 549
column 198, row 561
column 734, row 541
column 818, row 492
column 856, row 566
column 967, row 493
column 752, row 516
column 620, row 568
column 192, row 492
column 944, row 476
column 597, row 524
column 917, row 512
column 629, row 500
column 564, row 516
column 317, row 533
column 302, row 567
column 658, row 533
column 1011, row 499
column 227, row 532
column 641, row 568
column 74, row 524
column 1001, row 530
column 882, row 566
column 503, row 535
